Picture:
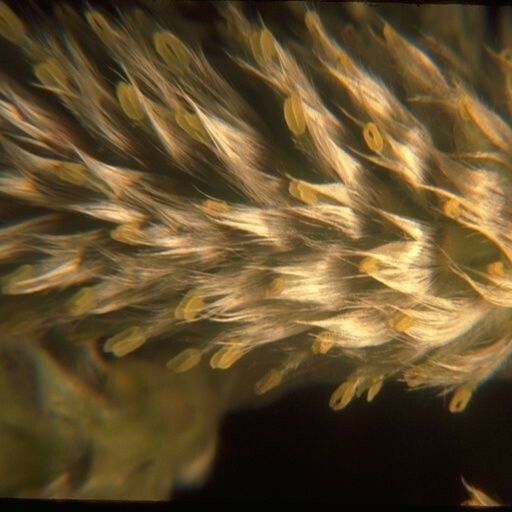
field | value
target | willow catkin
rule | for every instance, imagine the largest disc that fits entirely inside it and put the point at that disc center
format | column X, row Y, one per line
column 325, row 197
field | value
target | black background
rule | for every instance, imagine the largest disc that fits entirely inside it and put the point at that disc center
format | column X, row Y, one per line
column 404, row 448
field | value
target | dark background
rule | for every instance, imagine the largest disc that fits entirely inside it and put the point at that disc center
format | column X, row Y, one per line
column 404, row 448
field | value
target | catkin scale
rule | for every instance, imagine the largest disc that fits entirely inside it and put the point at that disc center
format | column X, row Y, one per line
column 329, row 224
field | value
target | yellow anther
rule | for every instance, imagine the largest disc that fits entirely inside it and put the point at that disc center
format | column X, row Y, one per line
column 401, row 322
column 294, row 114
column 323, row 343
column 269, row 381
column 412, row 378
column 10, row 281
column 373, row 390
column 303, row 192
column 310, row 197
column 126, row 341
column 267, row 45
column 262, row 46
column 227, row 356
column 101, row 27
column 451, row 208
column 191, row 123
column 51, row 74
column 185, row 360
column 275, row 288
column 460, row 399
column 172, row 51
column 189, row 307
column 129, row 102
column 343, row 395
column 213, row 206
column 496, row 269
column 307, row 194
column 72, row 172
column 368, row 265
column 81, row 302
column 293, row 189
column 373, row 137
column 128, row 233
column 11, row 27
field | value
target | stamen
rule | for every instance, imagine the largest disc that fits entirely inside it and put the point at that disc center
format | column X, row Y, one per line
column 214, row 206
column 227, row 356
column 126, row 341
column 323, row 343
column 185, row 360
column 401, row 322
column 189, row 307
column 343, row 395
column 172, row 51
column 460, row 399
column 51, row 74
column 275, row 288
column 373, row 390
column 269, row 381
column 129, row 102
column 373, row 137
column 81, row 302
column 294, row 114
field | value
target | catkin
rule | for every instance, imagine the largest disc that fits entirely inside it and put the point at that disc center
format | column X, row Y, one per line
column 339, row 190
